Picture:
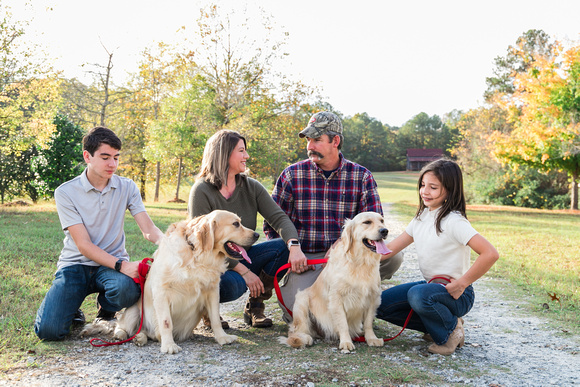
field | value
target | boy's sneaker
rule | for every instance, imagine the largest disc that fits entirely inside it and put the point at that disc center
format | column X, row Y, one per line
column 79, row 318
column 104, row 315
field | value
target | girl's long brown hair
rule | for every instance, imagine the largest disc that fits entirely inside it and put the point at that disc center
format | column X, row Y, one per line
column 449, row 174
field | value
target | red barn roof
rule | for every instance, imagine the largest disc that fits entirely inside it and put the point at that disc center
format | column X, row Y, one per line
column 414, row 152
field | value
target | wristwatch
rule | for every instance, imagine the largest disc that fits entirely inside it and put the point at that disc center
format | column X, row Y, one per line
column 118, row 265
column 293, row 242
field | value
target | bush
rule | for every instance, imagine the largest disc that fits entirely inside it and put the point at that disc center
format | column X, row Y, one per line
column 525, row 187
column 62, row 160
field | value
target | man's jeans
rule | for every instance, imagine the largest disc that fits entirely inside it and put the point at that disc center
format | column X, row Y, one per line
column 434, row 310
column 268, row 256
column 71, row 285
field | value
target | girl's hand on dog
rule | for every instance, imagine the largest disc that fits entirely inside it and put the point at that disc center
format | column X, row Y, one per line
column 254, row 284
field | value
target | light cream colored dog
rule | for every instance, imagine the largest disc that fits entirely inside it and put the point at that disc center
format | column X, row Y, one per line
column 343, row 300
column 184, row 280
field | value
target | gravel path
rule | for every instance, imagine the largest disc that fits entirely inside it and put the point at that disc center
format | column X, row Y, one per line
column 504, row 347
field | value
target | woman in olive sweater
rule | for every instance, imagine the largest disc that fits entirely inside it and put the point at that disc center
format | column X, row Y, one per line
column 222, row 185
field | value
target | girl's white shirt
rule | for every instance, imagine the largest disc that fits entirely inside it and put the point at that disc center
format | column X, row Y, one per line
column 446, row 254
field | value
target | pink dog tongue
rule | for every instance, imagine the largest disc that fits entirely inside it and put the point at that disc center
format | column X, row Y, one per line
column 242, row 251
column 382, row 247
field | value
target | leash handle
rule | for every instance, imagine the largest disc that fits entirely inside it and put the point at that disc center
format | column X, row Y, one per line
column 144, row 267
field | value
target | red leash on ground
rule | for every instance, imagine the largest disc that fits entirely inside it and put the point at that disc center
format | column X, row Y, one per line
column 144, row 267
column 361, row 339
column 317, row 261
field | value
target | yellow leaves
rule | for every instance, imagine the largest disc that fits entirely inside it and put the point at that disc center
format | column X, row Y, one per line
column 545, row 157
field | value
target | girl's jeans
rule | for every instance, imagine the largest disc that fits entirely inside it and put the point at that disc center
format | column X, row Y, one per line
column 434, row 310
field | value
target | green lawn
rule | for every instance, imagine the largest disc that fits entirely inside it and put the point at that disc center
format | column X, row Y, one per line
column 538, row 252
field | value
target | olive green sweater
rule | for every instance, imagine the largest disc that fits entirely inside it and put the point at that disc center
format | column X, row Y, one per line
column 249, row 198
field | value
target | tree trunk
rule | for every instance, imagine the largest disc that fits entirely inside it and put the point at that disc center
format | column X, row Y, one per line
column 178, row 179
column 106, row 81
column 143, row 178
column 574, row 193
column 157, row 178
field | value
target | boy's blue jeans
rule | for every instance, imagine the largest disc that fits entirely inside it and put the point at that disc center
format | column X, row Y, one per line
column 268, row 256
column 71, row 285
column 434, row 310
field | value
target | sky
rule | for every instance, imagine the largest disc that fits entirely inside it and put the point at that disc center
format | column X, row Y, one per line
column 390, row 59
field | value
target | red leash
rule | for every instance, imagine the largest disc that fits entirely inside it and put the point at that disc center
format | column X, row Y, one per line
column 144, row 267
column 317, row 261
column 286, row 266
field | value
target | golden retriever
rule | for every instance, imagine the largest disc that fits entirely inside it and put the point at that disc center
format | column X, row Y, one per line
column 343, row 300
column 183, row 281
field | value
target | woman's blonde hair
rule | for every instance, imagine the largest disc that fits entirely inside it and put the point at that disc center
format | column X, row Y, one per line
column 216, row 156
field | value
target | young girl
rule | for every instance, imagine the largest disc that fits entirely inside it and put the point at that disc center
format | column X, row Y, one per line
column 443, row 237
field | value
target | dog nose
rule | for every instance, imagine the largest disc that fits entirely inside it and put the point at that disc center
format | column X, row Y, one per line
column 384, row 232
column 256, row 236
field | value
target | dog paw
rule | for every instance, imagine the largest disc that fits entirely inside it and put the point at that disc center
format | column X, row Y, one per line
column 346, row 346
column 96, row 329
column 120, row 334
column 226, row 339
column 170, row 348
column 375, row 342
column 140, row 340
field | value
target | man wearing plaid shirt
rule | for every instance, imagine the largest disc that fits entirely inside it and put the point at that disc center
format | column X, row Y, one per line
column 318, row 194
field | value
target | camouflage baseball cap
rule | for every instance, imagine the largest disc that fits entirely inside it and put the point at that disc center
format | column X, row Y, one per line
column 321, row 123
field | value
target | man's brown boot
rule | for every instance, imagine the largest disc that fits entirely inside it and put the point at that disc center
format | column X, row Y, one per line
column 207, row 322
column 254, row 309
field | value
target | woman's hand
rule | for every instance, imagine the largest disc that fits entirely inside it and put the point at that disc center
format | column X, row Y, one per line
column 253, row 283
column 297, row 260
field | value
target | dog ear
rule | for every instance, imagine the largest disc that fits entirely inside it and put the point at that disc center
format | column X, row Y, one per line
column 205, row 235
column 346, row 235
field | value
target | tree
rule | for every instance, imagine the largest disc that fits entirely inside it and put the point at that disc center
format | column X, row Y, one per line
column 424, row 131
column 62, row 159
column 186, row 121
column 235, row 56
column 370, row 143
column 519, row 58
column 160, row 71
column 28, row 101
column 100, row 103
column 545, row 108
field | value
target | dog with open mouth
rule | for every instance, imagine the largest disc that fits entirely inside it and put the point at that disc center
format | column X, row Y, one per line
column 183, row 281
column 343, row 300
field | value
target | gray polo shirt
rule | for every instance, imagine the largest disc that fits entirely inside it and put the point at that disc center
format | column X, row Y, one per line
column 102, row 213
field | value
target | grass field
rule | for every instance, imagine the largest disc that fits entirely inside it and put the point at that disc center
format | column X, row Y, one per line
column 538, row 252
